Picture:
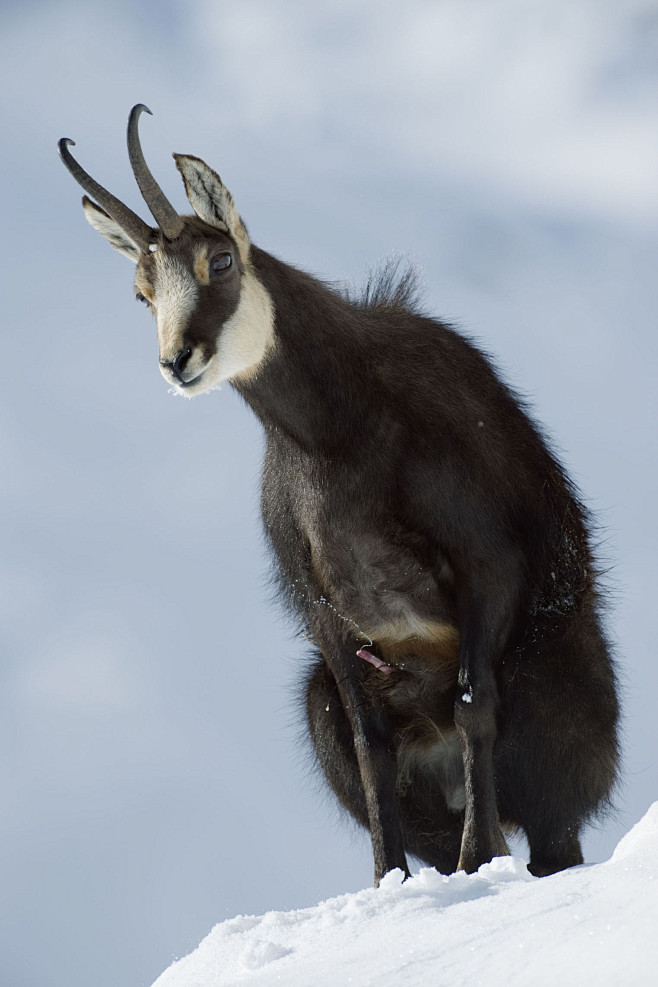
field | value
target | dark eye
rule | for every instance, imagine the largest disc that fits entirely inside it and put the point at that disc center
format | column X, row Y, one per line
column 220, row 263
column 140, row 298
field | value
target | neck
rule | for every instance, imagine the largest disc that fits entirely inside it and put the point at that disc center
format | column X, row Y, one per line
column 311, row 383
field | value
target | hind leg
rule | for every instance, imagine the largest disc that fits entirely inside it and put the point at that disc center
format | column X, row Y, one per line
column 556, row 756
column 430, row 832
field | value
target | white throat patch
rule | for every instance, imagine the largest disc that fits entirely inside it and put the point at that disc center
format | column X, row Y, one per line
column 247, row 336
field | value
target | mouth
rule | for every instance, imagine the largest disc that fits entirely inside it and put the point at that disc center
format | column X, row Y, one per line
column 201, row 384
column 183, row 384
column 191, row 388
column 179, row 382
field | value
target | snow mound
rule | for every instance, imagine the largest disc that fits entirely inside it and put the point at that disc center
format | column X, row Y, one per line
column 500, row 927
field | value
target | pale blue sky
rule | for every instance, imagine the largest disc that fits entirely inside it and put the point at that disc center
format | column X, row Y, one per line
column 509, row 147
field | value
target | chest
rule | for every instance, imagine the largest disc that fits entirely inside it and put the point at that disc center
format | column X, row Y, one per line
column 348, row 539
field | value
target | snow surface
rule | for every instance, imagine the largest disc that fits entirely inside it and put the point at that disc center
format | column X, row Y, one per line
column 594, row 924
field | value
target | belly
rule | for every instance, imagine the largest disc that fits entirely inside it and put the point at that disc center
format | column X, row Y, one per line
column 413, row 636
column 389, row 595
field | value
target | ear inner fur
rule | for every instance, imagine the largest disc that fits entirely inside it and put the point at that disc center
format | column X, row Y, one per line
column 110, row 229
column 212, row 201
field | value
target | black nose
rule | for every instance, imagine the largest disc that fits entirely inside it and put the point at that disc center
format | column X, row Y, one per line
column 178, row 364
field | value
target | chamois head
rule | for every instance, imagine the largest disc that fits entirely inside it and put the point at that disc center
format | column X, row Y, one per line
column 214, row 316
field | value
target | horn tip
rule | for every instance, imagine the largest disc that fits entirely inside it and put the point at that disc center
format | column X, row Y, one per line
column 140, row 108
column 63, row 149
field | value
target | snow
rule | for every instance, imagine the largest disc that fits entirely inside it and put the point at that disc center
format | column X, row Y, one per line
column 501, row 927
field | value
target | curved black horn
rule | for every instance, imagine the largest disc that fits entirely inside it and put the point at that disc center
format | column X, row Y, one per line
column 163, row 212
column 129, row 221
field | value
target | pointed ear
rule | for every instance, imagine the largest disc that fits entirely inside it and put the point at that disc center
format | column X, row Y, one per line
column 107, row 227
column 211, row 200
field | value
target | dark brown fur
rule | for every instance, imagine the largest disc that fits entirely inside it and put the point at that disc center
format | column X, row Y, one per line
column 411, row 503
column 413, row 508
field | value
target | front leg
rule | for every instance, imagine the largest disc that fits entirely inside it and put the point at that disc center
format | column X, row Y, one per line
column 475, row 719
column 485, row 628
column 373, row 743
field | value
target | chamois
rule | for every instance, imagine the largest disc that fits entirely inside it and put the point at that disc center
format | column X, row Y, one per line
column 425, row 537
